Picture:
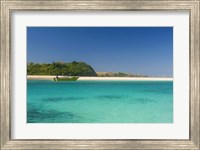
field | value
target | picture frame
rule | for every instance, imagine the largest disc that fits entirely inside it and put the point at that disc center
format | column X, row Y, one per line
column 8, row 6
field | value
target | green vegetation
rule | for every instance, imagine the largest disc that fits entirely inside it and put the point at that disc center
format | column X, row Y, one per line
column 118, row 74
column 59, row 68
column 71, row 69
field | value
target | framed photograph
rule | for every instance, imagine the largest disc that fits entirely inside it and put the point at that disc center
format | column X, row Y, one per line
column 99, row 74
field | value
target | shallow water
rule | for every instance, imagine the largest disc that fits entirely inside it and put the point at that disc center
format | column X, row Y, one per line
column 100, row 102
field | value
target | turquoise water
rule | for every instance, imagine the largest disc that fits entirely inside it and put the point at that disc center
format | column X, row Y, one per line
column 100, row 102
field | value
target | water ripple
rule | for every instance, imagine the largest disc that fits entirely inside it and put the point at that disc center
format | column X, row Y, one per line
column 110, row 97
column 158, row 91
column 144, row 100
column 49, row 115
column 61, row 99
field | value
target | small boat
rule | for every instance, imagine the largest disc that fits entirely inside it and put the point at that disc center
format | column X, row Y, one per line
column 65, row 79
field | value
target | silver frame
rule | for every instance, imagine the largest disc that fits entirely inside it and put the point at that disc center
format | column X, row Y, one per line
column 7, row 6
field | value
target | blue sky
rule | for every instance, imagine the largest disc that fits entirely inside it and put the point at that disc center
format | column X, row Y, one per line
column 139, row 50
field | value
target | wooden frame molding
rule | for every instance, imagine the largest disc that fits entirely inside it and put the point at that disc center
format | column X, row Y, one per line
column 8, row 6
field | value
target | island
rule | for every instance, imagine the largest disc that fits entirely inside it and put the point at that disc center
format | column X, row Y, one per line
column 72, row 71
column 61, row 68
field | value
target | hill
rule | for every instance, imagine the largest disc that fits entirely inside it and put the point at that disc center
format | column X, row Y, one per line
column 118, row 74
column 59, row 68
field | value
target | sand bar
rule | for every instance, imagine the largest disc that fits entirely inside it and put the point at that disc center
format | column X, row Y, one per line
column 37, row 77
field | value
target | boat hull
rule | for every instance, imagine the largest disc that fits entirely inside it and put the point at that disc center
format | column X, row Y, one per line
column 66, row 79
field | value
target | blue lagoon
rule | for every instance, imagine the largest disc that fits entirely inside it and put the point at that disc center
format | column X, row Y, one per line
column 99, row 102
column 138, row 59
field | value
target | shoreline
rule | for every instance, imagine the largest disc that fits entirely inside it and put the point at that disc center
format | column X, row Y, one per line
column 49, row 77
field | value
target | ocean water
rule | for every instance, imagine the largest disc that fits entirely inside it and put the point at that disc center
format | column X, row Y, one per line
column 99, row 102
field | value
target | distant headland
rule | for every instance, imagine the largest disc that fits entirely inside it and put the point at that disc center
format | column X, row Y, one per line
column 72, row 69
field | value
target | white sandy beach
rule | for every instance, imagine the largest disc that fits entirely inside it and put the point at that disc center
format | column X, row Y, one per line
column 39, row 77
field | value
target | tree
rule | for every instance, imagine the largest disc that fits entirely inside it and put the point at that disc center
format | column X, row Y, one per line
column 57, row 68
